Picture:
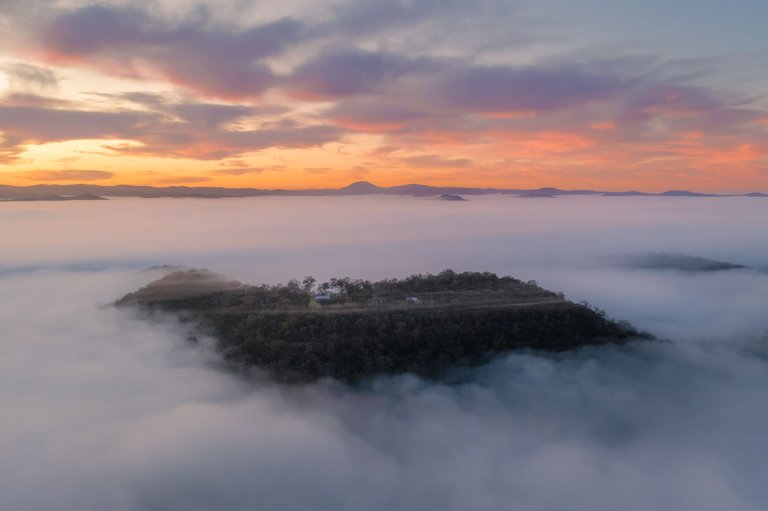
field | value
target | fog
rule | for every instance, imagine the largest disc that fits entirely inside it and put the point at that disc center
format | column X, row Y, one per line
column 102, row 410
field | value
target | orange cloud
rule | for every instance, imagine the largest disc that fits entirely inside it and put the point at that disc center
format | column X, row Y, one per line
column 67, row 175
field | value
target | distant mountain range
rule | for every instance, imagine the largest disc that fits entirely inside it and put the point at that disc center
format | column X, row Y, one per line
column 673, row 261
column 95, row 192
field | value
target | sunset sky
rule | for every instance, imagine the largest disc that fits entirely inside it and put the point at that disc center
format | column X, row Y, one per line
column 601, row 94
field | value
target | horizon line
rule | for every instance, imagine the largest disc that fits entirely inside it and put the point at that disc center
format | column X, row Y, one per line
column 373, row 187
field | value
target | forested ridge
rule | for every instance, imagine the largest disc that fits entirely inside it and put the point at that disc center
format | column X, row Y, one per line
column 352, row 329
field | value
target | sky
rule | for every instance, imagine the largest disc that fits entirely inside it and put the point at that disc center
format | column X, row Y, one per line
column 599, row 94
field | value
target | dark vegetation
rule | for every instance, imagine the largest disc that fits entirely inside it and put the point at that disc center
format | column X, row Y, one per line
column 352, row 329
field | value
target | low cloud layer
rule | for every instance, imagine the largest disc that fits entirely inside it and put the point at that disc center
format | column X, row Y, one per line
column 103, row 410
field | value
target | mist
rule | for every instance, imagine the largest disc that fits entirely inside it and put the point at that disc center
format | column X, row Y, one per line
column 103, row 410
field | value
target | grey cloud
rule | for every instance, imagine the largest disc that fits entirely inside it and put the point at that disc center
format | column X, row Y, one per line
column 500, row 89
column 34, row 100
column 424, row 27
column 372, row 61
column 378, row 89
column 189, row 124
column 210, row 116
column 179, row 141
column 35, row 124
column 340, row 73
column 378, row 113
column 194, row 130
column 453, row 84
column 448, row 85
column 28, row 76
column 204, row 114
column 367, row 16
column 211, row 60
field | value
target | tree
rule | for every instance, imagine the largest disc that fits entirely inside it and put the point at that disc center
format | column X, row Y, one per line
column 308, row 283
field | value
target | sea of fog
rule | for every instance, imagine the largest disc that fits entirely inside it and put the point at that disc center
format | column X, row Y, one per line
column 101, row 410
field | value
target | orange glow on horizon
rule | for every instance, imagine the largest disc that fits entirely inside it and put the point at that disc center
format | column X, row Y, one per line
column 522, row 176
column 520, row 160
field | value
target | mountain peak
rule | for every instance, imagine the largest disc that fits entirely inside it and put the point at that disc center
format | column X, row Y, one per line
column 361, row 187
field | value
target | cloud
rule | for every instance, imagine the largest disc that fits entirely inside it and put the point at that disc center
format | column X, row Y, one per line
column 238, row 171
column 370, row 17
column 177, row 141
column 378, row 115
column 68, row 175
column 34, row 100
column 38, row 124
column 456, row 85
column 169, row 129
column 104, row 410
column 214, row 61
column 434, row 27
column 343, row 73
column 317, row 170
column 179, row 180
column 437, row 161
column 26, row 77
column 202, row 115
column 586, row 108
column 499, row 89
column 35, row 124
